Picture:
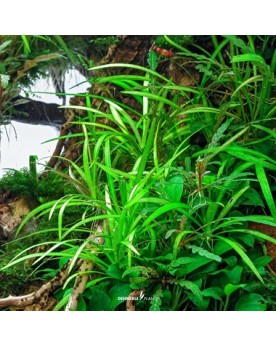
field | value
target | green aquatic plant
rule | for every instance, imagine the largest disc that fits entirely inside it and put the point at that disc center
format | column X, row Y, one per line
column 175, row 217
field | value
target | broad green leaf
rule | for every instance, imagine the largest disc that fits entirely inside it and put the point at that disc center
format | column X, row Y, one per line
column 201, row 304
column 4, row 80
column 247, row 239
column 252, row 198
column 114, row 271
column 117, row 292
column 182, row 261
column 221, row 247
column 234, row 275
column 251, row 302
column 99, row 301
column 81, row 305
column 4, row 45
column 230, row 288
column 140, row 282
column 137, row 270
column 174, row 188
column 231, row 261
column 190, row 267
column 214, row 292
column 192, row 287
column 262, row 261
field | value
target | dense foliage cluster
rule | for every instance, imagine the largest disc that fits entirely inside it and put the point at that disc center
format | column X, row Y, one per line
column 175, row 183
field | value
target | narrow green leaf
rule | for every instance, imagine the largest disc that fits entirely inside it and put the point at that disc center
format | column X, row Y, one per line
column 266, row 129
column 254, row 233
column 254, row 58
column 204, row 253
column 231, row 203
column 243, row 255
column 237, row 41
column 164, row 209
column 152, row 60
column 130, row 246
column 87, row 164
column 266, row 190
column 247, row 82
column 152, row 97
column 132, row 66
column 27, row 49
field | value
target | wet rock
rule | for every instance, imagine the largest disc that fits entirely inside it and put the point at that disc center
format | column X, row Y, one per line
column 8, row 222
column 37, row 112
column 12, row 214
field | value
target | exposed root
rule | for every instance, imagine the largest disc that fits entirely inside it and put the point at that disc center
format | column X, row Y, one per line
column 41, row 297
column 60, row 144
column 131, row 299
column 84, row 270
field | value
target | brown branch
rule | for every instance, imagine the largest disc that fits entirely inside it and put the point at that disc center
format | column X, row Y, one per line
column 133, row 296
column 63, row 131
column 85, row 268
column 41, row 295
column 1, row 92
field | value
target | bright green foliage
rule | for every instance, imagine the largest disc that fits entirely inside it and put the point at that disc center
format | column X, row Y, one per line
column 25, row 182
column 175, row 216
column 182, row 40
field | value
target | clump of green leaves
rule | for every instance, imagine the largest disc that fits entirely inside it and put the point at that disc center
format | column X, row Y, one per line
column 19, row 181
column 23, row 183
column 175, row 220
column 16, row 279
column 101, row 44
column 182, row 40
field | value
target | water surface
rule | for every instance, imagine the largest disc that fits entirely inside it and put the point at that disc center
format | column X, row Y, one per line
column 20, row 140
